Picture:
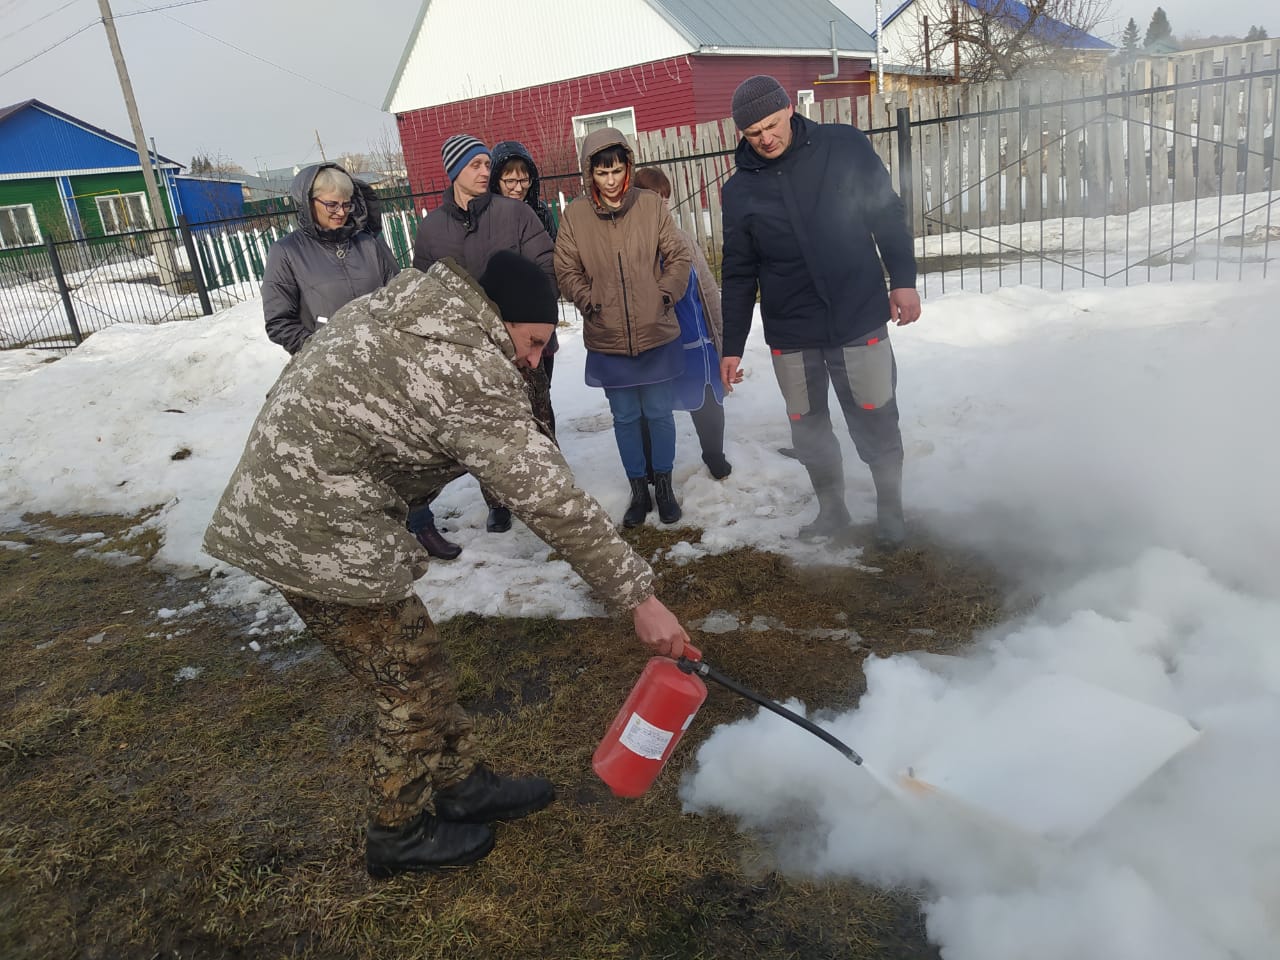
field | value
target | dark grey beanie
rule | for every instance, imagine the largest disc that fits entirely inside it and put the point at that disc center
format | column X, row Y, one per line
column 756, row 98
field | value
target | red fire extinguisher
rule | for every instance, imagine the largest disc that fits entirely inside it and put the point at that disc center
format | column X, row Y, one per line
column 646, row 730
column 661, row 706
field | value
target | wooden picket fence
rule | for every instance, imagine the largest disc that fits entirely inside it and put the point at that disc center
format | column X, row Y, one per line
column 1146, row 131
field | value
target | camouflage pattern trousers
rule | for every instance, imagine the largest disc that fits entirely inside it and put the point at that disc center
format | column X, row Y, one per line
column 537, row 382
column 423, row 740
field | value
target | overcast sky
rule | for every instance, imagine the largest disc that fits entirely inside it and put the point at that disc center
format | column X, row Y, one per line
column 301, row 66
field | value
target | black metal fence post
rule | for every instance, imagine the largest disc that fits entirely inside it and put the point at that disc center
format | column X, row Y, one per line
column 64, row 290
column 906, row 170
column 197, row 272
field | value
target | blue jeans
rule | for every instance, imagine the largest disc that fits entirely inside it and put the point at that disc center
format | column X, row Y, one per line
column 653, row 402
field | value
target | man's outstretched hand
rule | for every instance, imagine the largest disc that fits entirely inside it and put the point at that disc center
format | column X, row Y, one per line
column 658, row 629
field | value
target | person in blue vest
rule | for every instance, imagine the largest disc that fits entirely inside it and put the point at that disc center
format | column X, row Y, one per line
column 812, row 223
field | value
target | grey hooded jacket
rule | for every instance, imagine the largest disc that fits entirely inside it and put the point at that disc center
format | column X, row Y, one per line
column 401, row 392
column 312, row 272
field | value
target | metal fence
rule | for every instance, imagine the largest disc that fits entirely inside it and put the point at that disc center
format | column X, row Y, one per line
column 1055, row 182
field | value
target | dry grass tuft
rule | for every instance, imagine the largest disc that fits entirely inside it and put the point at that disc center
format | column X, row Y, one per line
column 222, row 816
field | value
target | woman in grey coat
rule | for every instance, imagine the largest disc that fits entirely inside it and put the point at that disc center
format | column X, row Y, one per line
column 333, row 257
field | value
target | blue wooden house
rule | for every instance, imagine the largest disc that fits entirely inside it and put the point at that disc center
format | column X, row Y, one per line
column 62, row 178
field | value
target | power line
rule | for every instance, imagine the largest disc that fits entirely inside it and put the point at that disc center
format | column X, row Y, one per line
column 38, row 20
column 183, row 3
column 91, row 23
column 254, row 56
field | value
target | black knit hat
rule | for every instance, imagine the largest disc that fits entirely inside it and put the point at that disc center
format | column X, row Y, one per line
column 458, row 151
column 756, row 98
column 519, row 289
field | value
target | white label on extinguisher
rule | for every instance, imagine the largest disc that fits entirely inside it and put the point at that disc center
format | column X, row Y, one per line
column 642, row 737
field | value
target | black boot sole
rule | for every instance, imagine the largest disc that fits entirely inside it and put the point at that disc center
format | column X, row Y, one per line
column 385, row 872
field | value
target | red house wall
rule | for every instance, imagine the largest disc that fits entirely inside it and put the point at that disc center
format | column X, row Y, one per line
column 678, row 91
column 541, row 117
column 716, row 77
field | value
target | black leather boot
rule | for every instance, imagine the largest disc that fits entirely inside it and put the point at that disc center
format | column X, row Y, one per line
column 499, row 520
column 668, row 510
column 435, row 544
column 891, row 529
column 424, row 843
column 641, row 504
column 484, row 797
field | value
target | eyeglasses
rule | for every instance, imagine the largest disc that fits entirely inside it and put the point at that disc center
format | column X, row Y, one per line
column 512, row 182
column 333, row 206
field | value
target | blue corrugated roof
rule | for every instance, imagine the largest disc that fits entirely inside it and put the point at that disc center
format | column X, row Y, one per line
column 38, row 138
column 764, row 24
column 1046, row 28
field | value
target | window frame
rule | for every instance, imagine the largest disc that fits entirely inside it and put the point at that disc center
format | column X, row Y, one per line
column 579, row 122
column 110, row 199
column 32, row 221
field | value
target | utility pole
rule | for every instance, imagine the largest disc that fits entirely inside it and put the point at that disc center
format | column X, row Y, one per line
column 164, row 252
column 321, row 146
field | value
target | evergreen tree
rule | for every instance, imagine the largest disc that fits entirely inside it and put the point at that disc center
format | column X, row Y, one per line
column 1158, row 29
column 1130, row 36
column 1256, row 33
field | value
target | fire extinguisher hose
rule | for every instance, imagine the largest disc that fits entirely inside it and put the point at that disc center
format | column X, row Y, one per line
column 703, row 669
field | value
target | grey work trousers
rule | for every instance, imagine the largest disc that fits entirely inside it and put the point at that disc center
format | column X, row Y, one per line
column 865, row 378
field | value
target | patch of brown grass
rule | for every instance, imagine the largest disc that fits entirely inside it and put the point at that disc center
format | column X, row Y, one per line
column 223, row 816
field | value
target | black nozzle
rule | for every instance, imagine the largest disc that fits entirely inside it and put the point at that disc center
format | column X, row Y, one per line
column 703, row 669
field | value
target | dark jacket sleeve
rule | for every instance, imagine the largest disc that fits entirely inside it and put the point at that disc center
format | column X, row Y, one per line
column 423, row 256
column 535, row 243
column 886, row 216
column 739, row 276
column 387, row 262
column 281, row 300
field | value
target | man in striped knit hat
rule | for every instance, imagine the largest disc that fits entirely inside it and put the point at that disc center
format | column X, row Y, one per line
column 470, row 226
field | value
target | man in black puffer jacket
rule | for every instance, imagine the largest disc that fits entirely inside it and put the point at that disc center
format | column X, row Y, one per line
column 809, row 216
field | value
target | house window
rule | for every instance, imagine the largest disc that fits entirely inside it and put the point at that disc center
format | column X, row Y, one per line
column 624, row 120
column 18, row 227
column 124, row 212
column 804, row 98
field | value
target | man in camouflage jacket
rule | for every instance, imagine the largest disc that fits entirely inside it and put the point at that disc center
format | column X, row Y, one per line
column 402, row 391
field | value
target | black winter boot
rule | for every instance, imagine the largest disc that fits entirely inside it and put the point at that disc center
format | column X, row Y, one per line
column 833, row 516
column 484, row 797
column 891, row 530
column 424, row 843
column 499, row 520
column 668, row 510
column 718, row 465
column 435, row 544
column 640, row 503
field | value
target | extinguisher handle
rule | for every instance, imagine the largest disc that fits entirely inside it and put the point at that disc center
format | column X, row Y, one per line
column 691, row 653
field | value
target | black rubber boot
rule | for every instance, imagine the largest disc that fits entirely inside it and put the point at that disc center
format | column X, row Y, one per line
column 423, row 844
column 435, row 544
column 641, row 504
column 668, row 510
column 484, row 797
column 718, row 465
column 833, row 516
column 499, row 520
column 891, row 529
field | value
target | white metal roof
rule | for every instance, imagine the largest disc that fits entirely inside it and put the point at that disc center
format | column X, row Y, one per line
column 463, row 49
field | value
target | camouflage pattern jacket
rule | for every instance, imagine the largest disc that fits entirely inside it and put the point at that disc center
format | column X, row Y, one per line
column 402, row 391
